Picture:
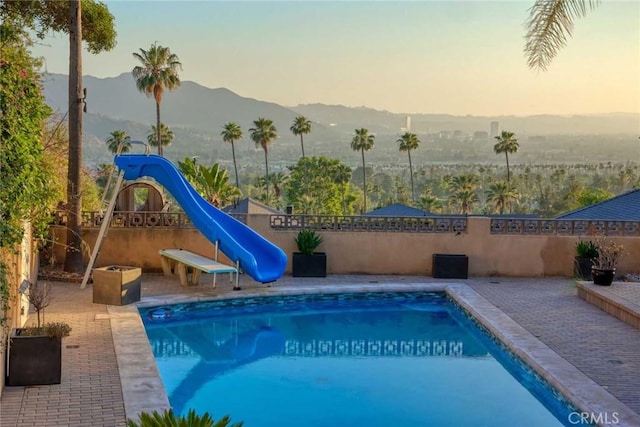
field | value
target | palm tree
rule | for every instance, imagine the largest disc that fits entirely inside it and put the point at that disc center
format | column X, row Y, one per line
column 507, row 144
column 407, row 142
column 464, row 192
column 211, row 182
column 549, row 23
column 166, row 136
column 362, row 142
column 119, row 137
column 262, row 134
column 429, row 203
column 464, row 182
column 278, row 180
column 301, row 126
column 465, row 198
column 342, row 178
column 159, row 70
column 501, row 195
column 231, row 132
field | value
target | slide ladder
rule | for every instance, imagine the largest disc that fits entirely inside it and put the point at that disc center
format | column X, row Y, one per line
column 108, row 214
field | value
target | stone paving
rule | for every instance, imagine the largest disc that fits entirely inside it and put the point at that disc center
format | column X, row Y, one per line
column 602, row 347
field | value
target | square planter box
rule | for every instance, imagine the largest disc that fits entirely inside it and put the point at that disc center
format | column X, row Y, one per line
column 450, row 266
column 33, row 360
column 314, row 265
column 116, row 285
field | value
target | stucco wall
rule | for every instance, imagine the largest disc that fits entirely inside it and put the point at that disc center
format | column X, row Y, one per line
column 375, row 252
column 21, row 265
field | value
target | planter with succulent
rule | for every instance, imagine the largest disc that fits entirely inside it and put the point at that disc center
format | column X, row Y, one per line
column 307, row 262
column 604, row 265
column 586, row 252
column 34, row 356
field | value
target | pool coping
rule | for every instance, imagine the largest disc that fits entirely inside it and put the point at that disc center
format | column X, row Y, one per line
column 143, row 391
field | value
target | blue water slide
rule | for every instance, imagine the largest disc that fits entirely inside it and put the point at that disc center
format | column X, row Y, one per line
column 259, row 258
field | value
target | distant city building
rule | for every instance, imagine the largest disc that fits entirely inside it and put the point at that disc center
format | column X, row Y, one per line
column 407, row 123
column 445, row 134
column 480, row 136
column 494, row 129
column 457, row 135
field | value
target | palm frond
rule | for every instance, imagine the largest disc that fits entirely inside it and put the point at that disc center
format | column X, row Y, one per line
column 548, row 25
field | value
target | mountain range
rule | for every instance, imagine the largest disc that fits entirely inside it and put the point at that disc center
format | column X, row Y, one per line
column 196, row 115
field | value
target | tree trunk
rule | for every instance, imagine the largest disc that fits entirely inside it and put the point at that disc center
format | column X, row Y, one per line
column 266, row 181
column 413, row 194
column 235, row 167
column 158, row 132
column 73, row 260
column 306, row 174
column 506, row 155
column 364, row 184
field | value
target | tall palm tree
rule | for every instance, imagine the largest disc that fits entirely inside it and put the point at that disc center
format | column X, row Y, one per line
column 231, row 132
column 301, row 126
column 362, row 142
column 549, row 23
column 407, row 142
column 502, row 196
column 262, row 133
column 507, row 144
column 166, row 136
column 159, row 70
column 73, row 259
column 119, row 137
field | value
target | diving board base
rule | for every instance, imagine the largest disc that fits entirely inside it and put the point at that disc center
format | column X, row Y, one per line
column 189, row 265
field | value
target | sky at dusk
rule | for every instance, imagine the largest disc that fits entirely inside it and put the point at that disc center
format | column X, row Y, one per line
column 455, row 57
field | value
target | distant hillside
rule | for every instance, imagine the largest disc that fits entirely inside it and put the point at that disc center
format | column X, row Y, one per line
column 384, row 121
column 196, row 115
column 191, row 105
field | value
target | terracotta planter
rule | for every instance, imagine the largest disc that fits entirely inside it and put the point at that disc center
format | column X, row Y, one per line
column 602, row 277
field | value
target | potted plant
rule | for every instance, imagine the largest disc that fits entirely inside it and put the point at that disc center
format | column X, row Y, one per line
column 35, row 352
column 307, row 262
column 192, row 419
column 586, row 252
column 604, row 265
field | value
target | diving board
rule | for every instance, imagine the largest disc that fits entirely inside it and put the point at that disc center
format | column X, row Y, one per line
column 183, row 259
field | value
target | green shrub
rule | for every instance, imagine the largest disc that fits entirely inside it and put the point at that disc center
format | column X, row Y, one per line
column 52, row 330
column 308, row 241
column 169, row 419
column 587, row 249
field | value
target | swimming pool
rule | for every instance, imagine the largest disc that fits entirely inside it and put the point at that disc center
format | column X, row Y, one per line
column 325, row 360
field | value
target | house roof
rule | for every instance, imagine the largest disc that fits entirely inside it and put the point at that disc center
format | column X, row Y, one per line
column 398, row 210
column 625, row 207
column 249, row 206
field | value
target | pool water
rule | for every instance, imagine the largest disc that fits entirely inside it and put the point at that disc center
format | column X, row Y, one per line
column 367, row 359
